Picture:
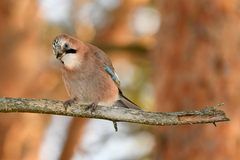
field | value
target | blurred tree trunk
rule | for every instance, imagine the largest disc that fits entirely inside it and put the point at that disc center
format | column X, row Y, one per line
column 20, row 134
column 72, row 142
column 196, row 63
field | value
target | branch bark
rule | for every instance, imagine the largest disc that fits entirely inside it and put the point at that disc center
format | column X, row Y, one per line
column 115, row 114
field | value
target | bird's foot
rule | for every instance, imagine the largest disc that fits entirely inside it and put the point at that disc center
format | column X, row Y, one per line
column 93, row 106
column 68, row 103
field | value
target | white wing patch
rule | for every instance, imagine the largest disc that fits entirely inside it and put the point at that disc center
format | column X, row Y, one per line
column 117, row 76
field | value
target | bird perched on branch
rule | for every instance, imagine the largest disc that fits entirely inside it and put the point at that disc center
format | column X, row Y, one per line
column 88, row 74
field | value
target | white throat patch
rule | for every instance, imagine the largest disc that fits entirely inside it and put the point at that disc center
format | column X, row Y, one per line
column 70, row 60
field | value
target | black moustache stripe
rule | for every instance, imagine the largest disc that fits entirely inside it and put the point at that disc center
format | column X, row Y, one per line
column 73, row 51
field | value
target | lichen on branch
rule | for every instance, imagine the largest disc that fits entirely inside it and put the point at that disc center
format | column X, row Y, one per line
column 115, row 114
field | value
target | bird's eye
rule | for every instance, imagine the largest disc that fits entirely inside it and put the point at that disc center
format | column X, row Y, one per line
column 66, row 45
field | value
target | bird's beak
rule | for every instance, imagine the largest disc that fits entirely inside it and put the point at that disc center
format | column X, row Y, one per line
column 60, row 55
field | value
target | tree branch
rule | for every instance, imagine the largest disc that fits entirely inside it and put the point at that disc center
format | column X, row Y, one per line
column 115, row 114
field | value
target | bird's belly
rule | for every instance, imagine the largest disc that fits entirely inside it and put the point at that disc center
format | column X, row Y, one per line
column 86, row 91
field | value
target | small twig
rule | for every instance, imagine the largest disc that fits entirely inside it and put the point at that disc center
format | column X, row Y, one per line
column 214, row 124
column 115, row 125
column 217, row 105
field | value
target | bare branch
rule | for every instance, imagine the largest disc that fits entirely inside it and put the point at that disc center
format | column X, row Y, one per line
column 115, row 114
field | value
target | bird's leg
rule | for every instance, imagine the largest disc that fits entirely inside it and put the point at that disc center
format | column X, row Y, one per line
column 93, row 106
column 68, row 103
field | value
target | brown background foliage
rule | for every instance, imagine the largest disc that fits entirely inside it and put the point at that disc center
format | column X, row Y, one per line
column 194, row 61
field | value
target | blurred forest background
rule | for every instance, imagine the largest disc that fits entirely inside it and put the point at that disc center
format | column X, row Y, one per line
column 169, row 55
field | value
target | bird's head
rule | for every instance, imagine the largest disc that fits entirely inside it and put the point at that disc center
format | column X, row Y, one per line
column 65, row 49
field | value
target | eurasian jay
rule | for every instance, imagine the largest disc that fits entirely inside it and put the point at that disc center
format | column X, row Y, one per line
column 88, row 74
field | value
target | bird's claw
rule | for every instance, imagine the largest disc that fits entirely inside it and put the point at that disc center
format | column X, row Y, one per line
column 68, row 103
column 93, row 106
